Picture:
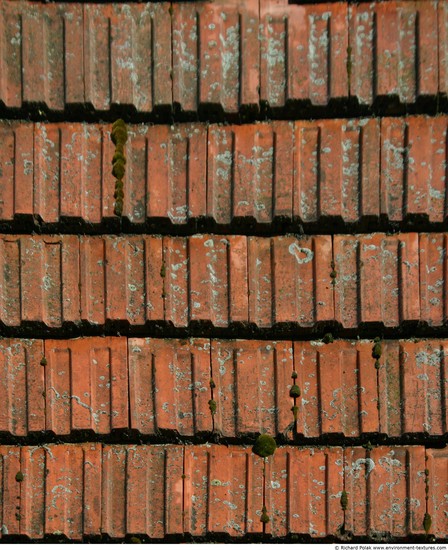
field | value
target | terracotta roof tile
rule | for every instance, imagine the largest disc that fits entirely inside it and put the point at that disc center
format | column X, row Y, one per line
column 384, row 170
column 221, row 280
column 266, row 230
column 118, row 490
column 67, row 386
column 151, row 60
column 437, row 480
column 215, row 56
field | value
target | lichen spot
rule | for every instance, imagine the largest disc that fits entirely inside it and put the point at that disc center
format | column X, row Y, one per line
column 302, row 255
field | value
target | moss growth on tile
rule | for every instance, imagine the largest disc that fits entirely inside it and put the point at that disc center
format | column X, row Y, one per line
column 43, row 362
column 119, row 137
column 212, row 406
column 377, row 349
column 119, row 133
column 427, row 522
column 118, row 169
column 19, row 477
column 119, row 156
column 294, row 391
column 118, row 209
column 344, row 500
column 328, row 338
column 294, row 375
column 264, row 446
column 264, row 515
column 212, row 384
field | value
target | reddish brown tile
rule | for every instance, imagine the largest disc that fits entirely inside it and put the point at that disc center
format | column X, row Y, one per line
column 30, row 508
column 423, row 387
column 86, row 385
column 443, row 46
column 305, row 172
column 154, row 491
column 252, row 382
column 406, row 48
column 303, row 487
column 371, row 271
column 336, row 169
column 176, row 173
column 121, row 64
column 41, row 30
column 118, row 490
column 235, row 491
column 437, row 481
column 81, row 168
column 169, row 386
column 285, row 273
column 345, row 402
column 300, row 47
column 68, row 385
column 250, row 172
column 433, row 265
column 386, row 491
column 39, row 279
column 215, row 56
column 19, row 376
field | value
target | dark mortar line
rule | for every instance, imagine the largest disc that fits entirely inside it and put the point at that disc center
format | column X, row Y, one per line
column 280, row 226
column 236, row 331
column 389, row 106
column 171, row 437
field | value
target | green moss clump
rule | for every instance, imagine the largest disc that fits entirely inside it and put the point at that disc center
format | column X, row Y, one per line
column 119, row 194
column 119, row 132
column 119, row 155
column 19, row 477
column 119, row 135
column 427, row 521
column 43, row 362
column 212, row 384
column 333, row 274
column 118, row 123
column 264, row 515
column 328, row 338
column 344, row 500
column 212, row 406
column 294, row 391
column 376, row 350
column 118, row 210
column 377, row 364
column 118, row 169
column 135, row 540
column 294, row 375
column 264, row 446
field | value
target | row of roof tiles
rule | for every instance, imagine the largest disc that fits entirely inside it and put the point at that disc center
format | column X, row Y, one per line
column 234, row 388
column 89, row 489
column 377, row 169
column 353, row 280
column 229, row 57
